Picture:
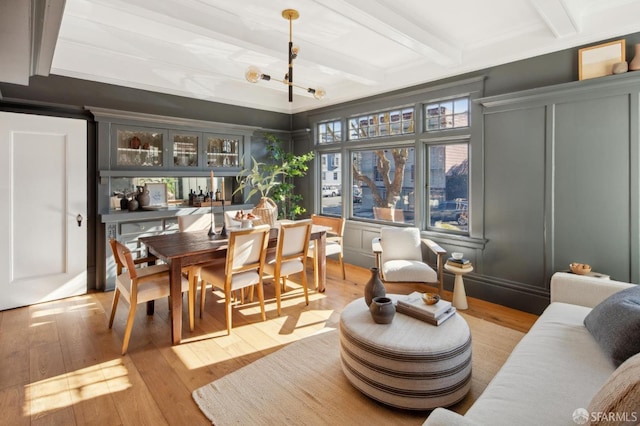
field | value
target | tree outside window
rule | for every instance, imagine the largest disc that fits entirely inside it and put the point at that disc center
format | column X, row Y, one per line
column 383, row 179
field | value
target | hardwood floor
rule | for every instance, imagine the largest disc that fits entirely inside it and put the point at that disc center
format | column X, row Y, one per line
column 61, row 365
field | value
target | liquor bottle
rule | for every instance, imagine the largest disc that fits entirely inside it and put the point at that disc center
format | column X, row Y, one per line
column 218, row 195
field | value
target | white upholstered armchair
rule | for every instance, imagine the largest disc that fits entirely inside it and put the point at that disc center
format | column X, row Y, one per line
column 401, row 256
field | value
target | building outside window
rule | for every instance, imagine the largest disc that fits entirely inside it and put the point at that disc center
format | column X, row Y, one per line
column 450, row 114
column 382, row 124
column 448, row 190
column 330, row 132
column 331, row 184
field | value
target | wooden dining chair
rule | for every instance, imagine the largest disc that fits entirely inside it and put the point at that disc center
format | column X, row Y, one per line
column 244, row 266
column 289, row 257
column 138, row 285
column 334, row 242
column 196, row 223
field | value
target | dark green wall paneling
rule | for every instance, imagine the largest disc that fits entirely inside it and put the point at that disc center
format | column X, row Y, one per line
column 514, row 196
column 592, row 185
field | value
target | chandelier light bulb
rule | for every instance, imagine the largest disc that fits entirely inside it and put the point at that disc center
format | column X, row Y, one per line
column 319, row 93
column 294, row 51
column 253, row 74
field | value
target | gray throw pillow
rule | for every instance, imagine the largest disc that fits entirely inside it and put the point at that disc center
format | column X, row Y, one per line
column 615, row 324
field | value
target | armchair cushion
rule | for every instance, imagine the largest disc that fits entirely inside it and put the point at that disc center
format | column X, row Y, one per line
column 409, row 271
column 400, row 243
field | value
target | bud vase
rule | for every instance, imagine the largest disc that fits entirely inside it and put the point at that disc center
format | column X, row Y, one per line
column 634, row 65
column 374, row 287
column 382, row 310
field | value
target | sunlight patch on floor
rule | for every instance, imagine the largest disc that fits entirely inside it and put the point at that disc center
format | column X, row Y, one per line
column 74, row 387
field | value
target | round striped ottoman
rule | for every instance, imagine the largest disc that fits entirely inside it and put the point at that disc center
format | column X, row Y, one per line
column 408, row 363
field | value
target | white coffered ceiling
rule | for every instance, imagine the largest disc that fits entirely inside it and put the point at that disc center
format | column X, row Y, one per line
column 352, row 48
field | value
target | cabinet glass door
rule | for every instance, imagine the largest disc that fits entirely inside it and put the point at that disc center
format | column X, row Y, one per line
column 137, row 147
column 223, row 151
column 185, row 150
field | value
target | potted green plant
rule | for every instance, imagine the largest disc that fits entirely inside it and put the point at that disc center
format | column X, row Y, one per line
column 293, row 167
column 261, row 179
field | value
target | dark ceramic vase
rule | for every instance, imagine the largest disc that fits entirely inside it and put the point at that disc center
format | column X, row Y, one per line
column 374, row 287
column 143, row 197
column 133, row 205
column 382, row 310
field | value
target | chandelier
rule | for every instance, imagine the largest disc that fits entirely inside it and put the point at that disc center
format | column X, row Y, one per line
column 253, row 73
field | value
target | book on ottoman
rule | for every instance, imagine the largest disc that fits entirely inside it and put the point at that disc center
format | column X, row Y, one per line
column 435, row 321
column 414, row 302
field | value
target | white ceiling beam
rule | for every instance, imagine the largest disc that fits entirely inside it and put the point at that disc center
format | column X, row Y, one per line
column 388, row 23
column 561, row 21
column 47, row 17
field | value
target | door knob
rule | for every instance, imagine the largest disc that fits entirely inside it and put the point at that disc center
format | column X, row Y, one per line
column 79, row 219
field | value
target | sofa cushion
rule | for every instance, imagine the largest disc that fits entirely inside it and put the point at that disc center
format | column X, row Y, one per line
column 615, row 324
column 620, row 396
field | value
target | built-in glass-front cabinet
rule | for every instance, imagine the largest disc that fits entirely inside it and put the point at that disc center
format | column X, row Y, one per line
column 137, row 147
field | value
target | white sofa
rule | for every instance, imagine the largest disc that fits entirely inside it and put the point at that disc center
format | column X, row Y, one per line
column 556, row 368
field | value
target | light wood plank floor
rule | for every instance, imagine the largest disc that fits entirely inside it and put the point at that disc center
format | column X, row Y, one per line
column 61, row 365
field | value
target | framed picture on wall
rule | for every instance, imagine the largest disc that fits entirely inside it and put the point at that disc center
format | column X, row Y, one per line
column 598, row 61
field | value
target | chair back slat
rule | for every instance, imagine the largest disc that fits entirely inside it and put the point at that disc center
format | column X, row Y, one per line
column 293, row 239
column 124, row 258
column 247, row 248
column 335, row 223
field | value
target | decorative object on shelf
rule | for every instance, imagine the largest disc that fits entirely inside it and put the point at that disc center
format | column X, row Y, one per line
column 597, row 61
column 133, row 205
column 253, row 73
column 580, row 268
column 135, row 142
column 374, row 287
column 634, row 65
column 124, row 202
column 382, row 310
column 620, row 68
column 143, row 196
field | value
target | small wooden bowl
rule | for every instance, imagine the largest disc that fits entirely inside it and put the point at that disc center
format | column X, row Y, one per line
column 430, row 298
column 580, row 268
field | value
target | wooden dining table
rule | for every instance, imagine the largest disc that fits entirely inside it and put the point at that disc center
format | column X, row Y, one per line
column 191, row 248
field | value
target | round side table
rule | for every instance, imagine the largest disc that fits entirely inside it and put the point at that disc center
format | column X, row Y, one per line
column 459, row 294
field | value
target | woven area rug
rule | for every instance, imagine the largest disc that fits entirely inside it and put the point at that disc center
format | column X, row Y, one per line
column 303, row 384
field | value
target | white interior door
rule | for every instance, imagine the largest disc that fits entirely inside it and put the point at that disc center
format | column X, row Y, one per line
column 43, row 180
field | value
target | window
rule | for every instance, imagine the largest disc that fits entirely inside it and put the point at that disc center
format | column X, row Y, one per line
column 370, row 184
column 381, row 124
column 331, row 184
column 450, row 114
column 330, row 132
column 448, row 192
